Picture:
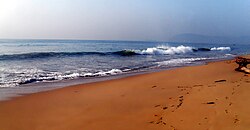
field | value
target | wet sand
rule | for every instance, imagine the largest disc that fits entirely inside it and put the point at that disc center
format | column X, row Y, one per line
column 211, row 96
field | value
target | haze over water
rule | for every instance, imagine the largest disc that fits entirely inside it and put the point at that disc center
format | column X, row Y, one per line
column 158, row 20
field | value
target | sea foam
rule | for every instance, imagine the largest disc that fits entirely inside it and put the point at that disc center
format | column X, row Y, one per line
column 165, row 50
column 180, row 61
column 220, row 49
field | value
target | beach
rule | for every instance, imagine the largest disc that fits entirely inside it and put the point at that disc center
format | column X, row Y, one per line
column 206, row 97
column 127, row 65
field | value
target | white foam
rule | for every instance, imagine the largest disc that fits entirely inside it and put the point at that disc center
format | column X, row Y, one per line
column 221, row 49
column 87, row 74
column 182, row 61
column 229, row 55
column 69, row 76
column 27, row 75
column 8, row 85
column 114, row 71
column 110, row 72
column 165, row 50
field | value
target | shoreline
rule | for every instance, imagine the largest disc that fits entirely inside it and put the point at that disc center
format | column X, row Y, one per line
column 210, row 96
column 9, row 93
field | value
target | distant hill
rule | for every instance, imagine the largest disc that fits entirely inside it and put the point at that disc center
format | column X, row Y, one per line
column 196, row 38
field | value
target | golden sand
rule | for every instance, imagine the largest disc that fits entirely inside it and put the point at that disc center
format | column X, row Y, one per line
column 206, row 97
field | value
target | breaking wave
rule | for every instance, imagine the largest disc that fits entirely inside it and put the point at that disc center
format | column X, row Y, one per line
column 159, row 50
column 165, row 50
column 221, row 49
column 34, row 75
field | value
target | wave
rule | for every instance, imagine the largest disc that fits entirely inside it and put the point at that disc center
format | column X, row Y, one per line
column 35, row 55
column 180, row 61
column 165, row 50
column 159, row 50
column 104, row 73
column 18, row 76
column 59, row 76
column 125, row 53
column 46, row 55
column 201, row 49
column 221, row 49
column 27, row 76
column 185, row 61
column 213, row 49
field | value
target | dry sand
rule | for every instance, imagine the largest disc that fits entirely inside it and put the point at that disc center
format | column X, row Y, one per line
column 207, row 97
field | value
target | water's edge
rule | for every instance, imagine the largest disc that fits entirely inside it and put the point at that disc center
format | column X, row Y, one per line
column 13, row 92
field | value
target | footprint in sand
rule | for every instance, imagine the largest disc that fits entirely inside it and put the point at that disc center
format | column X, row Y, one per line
column 173, row 128
column 186, row 89
column 180, row 102
column 218, row 81
column 154, row 86
column 158, row 122
column 164, row 108
column 199, row 85
column 210, row 103
column 236, row 120
column 157, row 105
column 151, row 122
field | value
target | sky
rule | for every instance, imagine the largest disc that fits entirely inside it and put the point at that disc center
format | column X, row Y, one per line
column 122, row 19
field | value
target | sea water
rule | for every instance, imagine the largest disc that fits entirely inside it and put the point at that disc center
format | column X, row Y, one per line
column 31, row 61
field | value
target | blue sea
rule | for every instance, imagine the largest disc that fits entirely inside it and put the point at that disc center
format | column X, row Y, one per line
column 34, row 61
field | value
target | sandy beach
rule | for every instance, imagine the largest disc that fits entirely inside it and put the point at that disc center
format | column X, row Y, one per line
column 206, row 97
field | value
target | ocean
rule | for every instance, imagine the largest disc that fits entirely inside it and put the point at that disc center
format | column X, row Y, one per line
column 25, row 62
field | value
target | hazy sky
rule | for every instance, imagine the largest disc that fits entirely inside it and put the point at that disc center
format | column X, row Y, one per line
column 122, row 19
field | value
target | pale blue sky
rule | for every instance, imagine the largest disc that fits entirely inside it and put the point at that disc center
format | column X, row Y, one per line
column 122, row 19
